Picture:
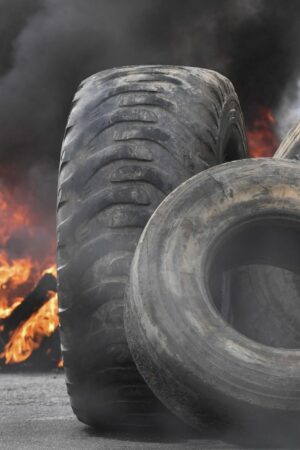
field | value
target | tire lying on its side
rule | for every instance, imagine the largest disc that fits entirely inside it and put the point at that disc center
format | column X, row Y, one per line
column 133, row 135
column 290, row 145
column 245, row 212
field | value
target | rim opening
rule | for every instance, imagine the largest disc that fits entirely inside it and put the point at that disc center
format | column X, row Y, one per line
column 254, row 279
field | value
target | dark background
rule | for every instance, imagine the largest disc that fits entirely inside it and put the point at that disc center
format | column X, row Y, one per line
column 48, row 46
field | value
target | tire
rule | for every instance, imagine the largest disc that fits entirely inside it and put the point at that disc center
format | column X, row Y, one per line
column 134, row 134
column 262, row 287
column 290, row 145
column 202, row 369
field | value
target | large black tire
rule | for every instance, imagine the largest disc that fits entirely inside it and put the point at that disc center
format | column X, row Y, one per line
column 245, row 212
column 290, row 145
column 134, row 134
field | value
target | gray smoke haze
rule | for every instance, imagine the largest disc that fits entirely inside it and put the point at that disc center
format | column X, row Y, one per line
column 48, row 46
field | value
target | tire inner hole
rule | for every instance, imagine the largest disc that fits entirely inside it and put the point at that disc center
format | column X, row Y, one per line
column 254, row 279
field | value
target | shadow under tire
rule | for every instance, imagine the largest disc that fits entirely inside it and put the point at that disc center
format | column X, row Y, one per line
column 133, row 135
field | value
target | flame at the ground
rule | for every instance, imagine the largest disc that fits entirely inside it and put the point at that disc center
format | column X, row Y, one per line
column 16, row 278
column 20, row 271
column 18, row 275
column 52, row 270
column 29, row 336
column 262, row 139
column 60, row 364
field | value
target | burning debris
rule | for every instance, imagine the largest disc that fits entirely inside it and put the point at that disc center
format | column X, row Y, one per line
column 28, row 299
column 30, row 324
column 30, row 334
column 21, row 335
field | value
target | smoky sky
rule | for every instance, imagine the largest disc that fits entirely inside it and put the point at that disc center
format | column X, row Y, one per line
column 48, row 46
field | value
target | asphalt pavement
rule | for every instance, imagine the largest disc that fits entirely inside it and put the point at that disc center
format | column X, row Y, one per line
column 35, row 415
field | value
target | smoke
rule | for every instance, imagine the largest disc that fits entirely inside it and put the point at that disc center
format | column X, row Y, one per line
column 49, row 46
column 288, row 113
column 13, row 18
column 33, row 241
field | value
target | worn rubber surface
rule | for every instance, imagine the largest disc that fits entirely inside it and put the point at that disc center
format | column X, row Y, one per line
column 290, row 145
column 134, row 134
column 270, row 294
column 265, row 304
column 196, row 363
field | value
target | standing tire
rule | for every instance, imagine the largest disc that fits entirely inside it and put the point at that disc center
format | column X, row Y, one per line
column 202, row 369
column 290, row 145
column 133, row 135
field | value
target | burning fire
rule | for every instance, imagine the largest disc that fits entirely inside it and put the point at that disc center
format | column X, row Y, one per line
column 262, row 139
column 29, row 336
column 18, row 277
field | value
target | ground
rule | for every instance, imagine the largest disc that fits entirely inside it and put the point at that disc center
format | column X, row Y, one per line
column 35, row 415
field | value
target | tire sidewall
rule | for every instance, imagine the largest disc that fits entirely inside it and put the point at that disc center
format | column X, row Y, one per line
column 184, row 349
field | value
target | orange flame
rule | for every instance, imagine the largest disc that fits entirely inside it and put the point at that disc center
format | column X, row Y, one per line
column 29, row 336
column 18, row 276
column 262, row 139
column 52, row 270
column 60, row 364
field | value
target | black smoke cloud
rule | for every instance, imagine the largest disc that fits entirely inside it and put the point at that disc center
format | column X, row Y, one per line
column 48, row 46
